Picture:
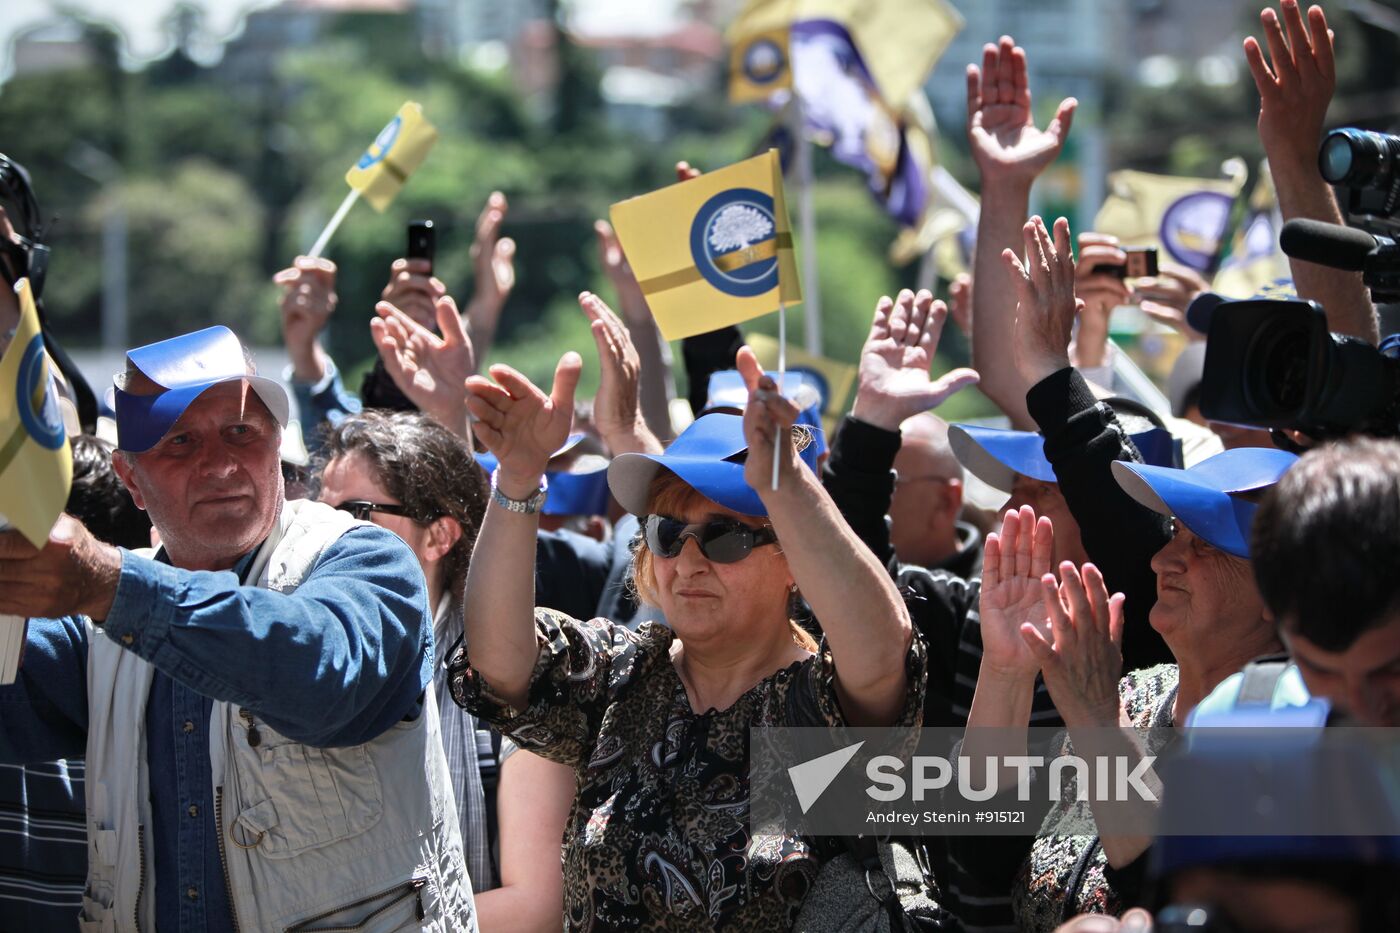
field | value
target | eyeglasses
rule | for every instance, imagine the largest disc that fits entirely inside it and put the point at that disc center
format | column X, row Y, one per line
column 722, row 541
column 361, row 508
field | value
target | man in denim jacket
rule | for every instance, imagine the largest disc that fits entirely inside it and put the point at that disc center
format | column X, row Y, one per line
column 250, row 696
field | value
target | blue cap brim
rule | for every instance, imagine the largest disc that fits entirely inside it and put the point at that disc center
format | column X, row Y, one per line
column 996, row 456
column 185, row 367
column 707, row 456
column 577, row 493
column 1205, row 497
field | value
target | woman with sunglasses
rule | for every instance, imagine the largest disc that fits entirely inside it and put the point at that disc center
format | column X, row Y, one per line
column 409, row 474
column 655, row 723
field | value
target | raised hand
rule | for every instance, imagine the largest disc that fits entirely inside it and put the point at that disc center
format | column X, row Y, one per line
column 72, row 573
column 894, row 363
column 1013, row 563
column 619, row 272
column 1101, row 291
column 1295, row 83
column 1045, row 301
column 617, row 409
column 1082, row 658
column 414, row 290
column 1005, row 141
column 685, row 171
column 1165, row 297
column 493, row 256
column 768, row 421
column 429, row 369
column 308, row 301
column 521, row 425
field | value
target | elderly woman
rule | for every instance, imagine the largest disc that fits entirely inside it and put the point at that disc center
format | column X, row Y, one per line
column 655, row 723
column 1194, row 523
column 414, row 477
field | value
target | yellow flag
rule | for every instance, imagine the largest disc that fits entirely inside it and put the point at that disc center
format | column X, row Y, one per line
column 394, row 155
column 36, row 464
column 1255, row 260
column 835, row 378
column 712, row 251
column 1186, row 218
column 759, row 65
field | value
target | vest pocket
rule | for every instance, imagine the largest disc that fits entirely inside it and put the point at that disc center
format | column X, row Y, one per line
column 295, row 797
column 398, row 908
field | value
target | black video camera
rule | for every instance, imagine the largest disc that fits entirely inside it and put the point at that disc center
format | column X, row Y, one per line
column 1274, row 364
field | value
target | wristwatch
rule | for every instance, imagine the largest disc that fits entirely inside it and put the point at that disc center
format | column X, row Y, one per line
column 530, row 506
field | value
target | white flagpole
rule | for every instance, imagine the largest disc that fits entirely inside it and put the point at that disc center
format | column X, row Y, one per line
column 334, row 225
column 782, row 377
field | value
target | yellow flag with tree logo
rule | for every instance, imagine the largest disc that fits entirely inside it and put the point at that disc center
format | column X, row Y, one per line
column 36, row 464
column 394, row 155
column 714, row 250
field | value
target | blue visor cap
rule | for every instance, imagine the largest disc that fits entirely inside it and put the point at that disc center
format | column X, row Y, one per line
column 727, row 390
column 1205, row 498
column 184, row 367
column 996, row 456
column 709, row 457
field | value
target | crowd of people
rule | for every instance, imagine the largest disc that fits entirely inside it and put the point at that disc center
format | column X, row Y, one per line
column 491, row 656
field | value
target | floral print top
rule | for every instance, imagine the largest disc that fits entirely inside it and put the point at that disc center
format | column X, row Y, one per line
column 659, row 833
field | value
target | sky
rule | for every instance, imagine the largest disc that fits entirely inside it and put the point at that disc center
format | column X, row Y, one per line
column 140, row 21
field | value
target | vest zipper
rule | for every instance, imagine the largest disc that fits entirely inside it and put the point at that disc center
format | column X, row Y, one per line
column 140, row 874
column 413, row 887
column 223, row 859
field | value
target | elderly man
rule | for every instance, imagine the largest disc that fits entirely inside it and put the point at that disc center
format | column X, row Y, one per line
column 261, row 751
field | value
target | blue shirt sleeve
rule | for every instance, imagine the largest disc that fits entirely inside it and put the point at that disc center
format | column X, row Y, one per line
column 336, row 662
column 43, row 714
column 322, row 403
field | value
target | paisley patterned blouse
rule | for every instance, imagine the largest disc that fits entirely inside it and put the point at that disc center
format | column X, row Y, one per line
column 659, row 832
column 1068, row 875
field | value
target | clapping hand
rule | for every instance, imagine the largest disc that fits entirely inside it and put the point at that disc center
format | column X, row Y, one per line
column 1014, row 561
column 1081, row 658
column 521, row 425
column 894, row 363
column 429, row 369
column 493, row 256
column 616, row 408
column 1046, row 305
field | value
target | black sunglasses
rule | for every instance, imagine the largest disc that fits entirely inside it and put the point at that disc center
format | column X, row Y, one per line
column 722, row 540
column 361, row 508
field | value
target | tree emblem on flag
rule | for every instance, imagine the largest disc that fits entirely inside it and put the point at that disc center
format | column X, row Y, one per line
column 734, row 242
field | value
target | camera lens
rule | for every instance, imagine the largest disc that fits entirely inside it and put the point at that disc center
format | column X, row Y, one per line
column 1335, row 159
column 1277, row 364
column 1359, row 158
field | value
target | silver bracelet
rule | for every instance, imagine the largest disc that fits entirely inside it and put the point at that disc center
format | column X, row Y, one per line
column 527, row 506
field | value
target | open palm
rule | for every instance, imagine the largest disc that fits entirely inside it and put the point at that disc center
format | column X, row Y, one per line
column 427, row 368
column 1014, row 561
column 1000, row 125
column 894, row 382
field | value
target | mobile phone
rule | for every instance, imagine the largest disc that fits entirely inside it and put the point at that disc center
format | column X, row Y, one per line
column 422, row 242
column 1142, row 262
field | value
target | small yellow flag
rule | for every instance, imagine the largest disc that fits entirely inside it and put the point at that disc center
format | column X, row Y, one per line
column 394, row 155
column 36, row 464
column 714, row 250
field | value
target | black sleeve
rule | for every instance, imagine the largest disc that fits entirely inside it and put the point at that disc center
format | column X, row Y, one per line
column 1130, row 881
column 859, row 477
column 1082, row 439
column 571, row 572
column 705, row 354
